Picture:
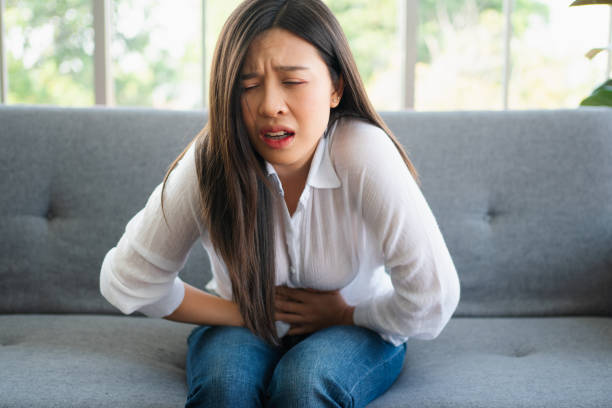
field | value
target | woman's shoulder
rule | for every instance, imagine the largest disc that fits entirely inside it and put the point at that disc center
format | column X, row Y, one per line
column 181, row 189
column 184, row 175
column 358, row 144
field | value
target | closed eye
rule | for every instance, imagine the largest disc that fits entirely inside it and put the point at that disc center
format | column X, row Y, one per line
column 249, row 87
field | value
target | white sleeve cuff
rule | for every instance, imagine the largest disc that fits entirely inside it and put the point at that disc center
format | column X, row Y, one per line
column 168, row 304
column 362, row 317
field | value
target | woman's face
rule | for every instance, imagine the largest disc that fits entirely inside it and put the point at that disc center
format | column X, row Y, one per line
column 287, row 94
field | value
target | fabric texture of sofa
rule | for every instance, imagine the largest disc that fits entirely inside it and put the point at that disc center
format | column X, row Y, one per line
column 523, row 199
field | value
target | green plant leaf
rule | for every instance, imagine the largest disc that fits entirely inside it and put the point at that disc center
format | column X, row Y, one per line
column 587, row 2
column 601, row 96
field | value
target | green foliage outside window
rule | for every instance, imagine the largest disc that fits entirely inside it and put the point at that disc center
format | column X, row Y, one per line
column 51, row 44
column 50, row 50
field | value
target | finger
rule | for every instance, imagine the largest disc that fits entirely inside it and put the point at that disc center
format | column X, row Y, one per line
column 306, row 295
column 321, row 291
column 284, row 289
column 280, row 296
column 285, row 292
column 299, row 295
column 289, row 318
column 288, row 306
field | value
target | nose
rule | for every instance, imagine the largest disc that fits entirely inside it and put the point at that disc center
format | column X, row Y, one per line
column 273, row 102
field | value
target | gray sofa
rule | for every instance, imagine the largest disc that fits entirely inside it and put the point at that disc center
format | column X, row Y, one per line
column 523, row 198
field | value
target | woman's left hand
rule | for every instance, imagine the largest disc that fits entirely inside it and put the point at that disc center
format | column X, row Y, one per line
column 309, row 310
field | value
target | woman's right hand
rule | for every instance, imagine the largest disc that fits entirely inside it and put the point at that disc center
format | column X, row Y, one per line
column 308, row 310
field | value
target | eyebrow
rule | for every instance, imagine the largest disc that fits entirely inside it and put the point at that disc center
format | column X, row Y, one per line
column 284, row 68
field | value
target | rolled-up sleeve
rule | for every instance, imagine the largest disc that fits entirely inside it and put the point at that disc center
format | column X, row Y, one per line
column 141, row 272
column 425, row 283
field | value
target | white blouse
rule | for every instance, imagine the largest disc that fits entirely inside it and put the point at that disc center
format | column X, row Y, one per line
column 361, row 210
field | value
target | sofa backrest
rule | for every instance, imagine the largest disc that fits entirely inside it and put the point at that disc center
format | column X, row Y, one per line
column 523, row 199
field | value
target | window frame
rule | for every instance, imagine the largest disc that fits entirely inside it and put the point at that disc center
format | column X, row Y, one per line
column 3, row 63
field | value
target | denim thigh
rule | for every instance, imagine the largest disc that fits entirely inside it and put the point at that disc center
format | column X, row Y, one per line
column 228, row 367
column 340, row 366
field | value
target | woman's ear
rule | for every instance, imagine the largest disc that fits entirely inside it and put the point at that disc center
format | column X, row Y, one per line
column 337, row 93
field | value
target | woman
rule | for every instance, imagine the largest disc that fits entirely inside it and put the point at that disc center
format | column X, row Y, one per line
column 301, row 195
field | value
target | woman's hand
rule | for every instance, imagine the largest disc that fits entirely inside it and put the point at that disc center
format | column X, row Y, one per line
column 309, row 310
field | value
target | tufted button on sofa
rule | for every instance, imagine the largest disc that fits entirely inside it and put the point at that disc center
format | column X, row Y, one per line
column 523, row 199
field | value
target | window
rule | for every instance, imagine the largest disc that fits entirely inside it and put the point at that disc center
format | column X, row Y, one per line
column 49, row 52
column 215, row 14
column 371, row 28
column 156, row 53
column 415, row 54
column 549, row 67
column 460, row 58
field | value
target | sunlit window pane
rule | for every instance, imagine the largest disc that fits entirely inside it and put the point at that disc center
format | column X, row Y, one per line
column 371, row 28
column 460, row 55
column 217, row 11
column 549, row 69
column 50, row 47
column 157, row 53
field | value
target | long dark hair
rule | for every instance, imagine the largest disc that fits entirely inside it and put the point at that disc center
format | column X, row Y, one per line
column 236, row 195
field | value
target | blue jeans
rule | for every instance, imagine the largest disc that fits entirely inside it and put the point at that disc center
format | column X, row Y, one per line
column 340, row 366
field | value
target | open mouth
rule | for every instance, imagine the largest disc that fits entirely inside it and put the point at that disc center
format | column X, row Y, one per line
column 278, row 135
column 278, row 138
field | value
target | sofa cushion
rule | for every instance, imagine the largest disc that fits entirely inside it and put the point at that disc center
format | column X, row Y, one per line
column 95, row 361
column 508, row 362
column 92, row 361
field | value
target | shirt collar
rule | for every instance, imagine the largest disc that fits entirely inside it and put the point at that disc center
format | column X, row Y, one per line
column 321, row 173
